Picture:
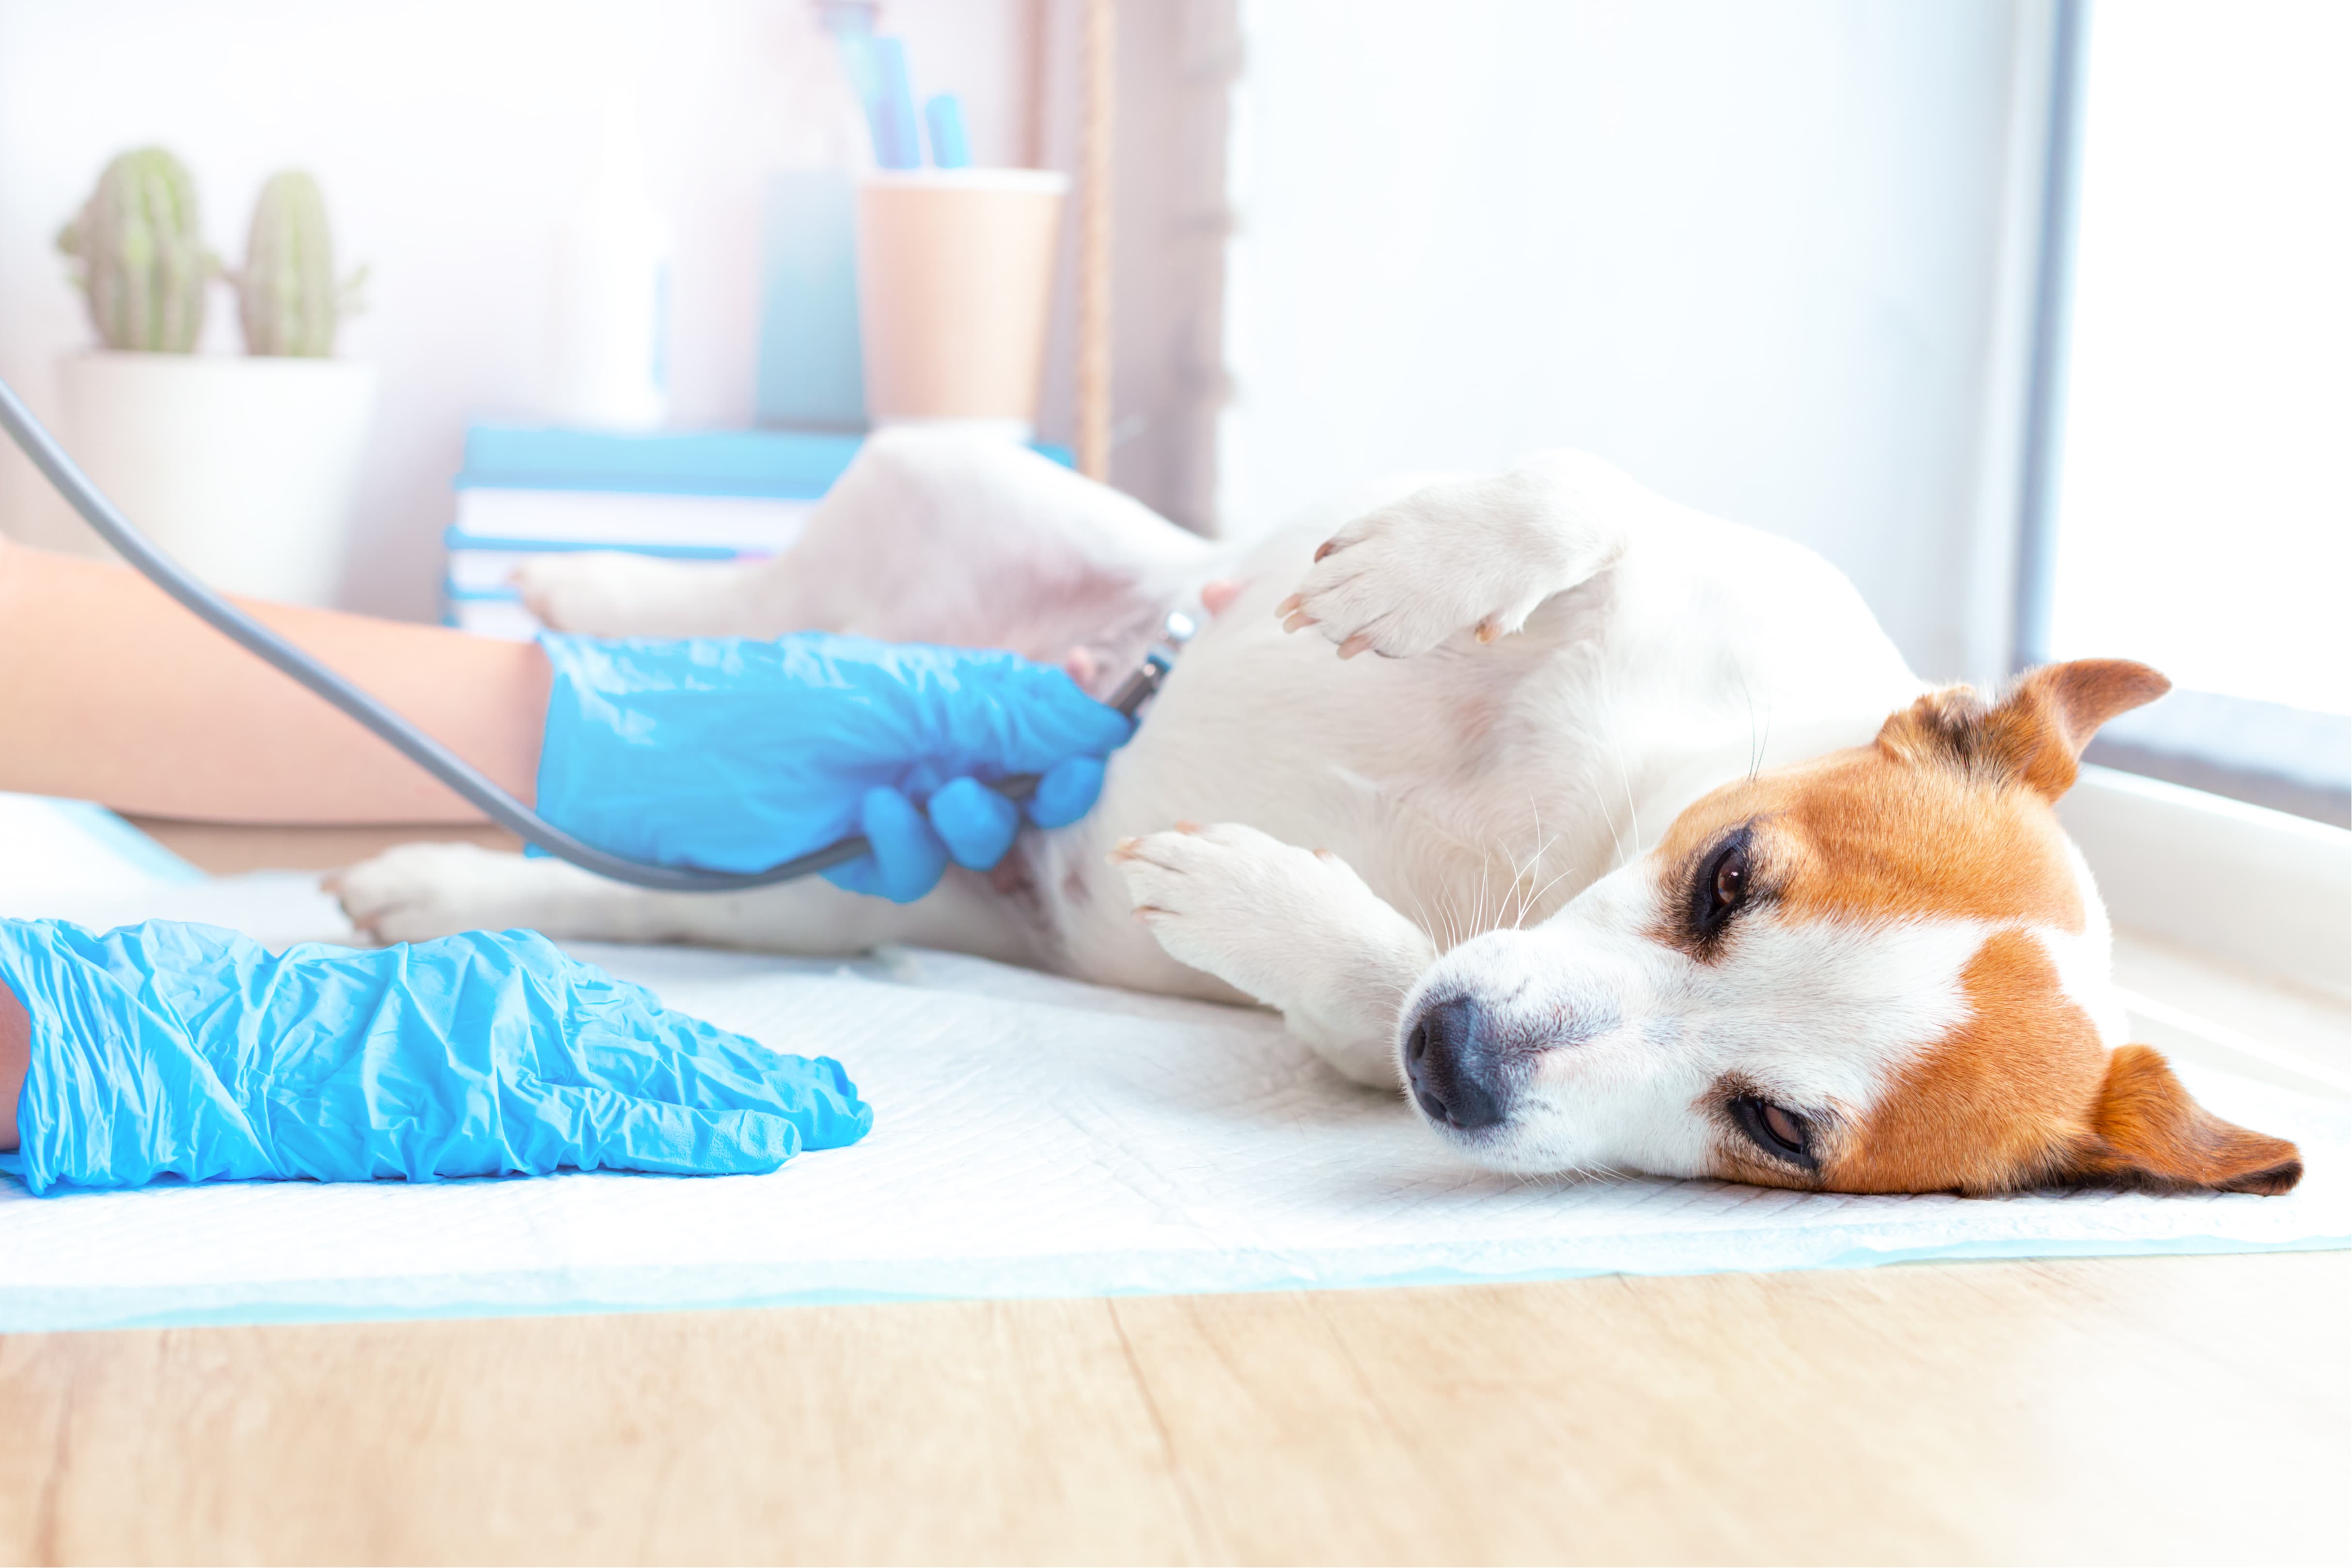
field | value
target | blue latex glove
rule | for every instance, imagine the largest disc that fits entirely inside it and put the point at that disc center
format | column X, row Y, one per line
column 171, row 1049
column 737, row 754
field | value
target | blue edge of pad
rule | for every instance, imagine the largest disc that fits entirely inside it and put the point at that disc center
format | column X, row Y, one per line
column 137, row 851
column 700, row 1288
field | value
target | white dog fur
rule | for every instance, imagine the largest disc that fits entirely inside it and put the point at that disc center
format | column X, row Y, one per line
column 1564, row 661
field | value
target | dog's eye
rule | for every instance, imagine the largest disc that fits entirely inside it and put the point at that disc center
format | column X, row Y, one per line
column 1731, row 877
column 1778, row 1130
column 1721, row 887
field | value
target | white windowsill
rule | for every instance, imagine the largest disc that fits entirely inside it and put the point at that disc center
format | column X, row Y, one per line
column 2233, row 926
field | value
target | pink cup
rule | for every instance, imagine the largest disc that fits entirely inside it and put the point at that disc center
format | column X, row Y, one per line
column 955, row 279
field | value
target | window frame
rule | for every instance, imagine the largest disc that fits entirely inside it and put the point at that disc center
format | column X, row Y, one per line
column 2283, row 758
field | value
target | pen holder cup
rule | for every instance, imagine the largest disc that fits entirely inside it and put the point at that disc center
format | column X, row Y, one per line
column 955, row 276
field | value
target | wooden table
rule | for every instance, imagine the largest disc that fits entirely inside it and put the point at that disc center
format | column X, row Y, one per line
column 2178, row 1409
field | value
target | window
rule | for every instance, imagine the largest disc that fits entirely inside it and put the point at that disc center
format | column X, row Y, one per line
column 2196, row 492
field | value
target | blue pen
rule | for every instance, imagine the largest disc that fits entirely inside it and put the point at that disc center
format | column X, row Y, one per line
column 949, row 147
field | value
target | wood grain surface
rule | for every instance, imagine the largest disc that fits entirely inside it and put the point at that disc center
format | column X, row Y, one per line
column 2138, row 1410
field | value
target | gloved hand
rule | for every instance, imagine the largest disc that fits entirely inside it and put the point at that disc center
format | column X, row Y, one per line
column 166, row 1048
column 736, row 753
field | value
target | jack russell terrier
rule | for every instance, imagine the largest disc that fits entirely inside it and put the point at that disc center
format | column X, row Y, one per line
column 1636, row 847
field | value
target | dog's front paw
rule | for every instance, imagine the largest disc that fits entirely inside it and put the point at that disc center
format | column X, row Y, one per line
column 419, row 892
column 1295, row 928
column 1475, row 555
column 1247, row 907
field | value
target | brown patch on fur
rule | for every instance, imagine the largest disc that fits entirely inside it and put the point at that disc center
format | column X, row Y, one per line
column 1999, row 1103
column 1947, row 814
column 2034, row 735
column 1875, row 841
column 1862, row 835
column 2147, row 1133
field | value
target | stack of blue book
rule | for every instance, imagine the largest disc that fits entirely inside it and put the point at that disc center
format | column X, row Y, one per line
column 726, row 495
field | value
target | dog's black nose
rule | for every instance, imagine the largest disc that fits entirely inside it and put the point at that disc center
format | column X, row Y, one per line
column 1450, row 1061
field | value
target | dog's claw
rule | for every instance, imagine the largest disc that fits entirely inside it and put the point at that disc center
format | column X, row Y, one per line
column 1355, row 645
column 1299, row 619
column 1283, row 610
column 1488, row 631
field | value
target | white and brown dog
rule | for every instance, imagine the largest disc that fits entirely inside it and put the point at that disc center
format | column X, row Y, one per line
column 1614, row 858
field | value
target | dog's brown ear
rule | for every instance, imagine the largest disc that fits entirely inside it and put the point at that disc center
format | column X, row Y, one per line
column 2036, row 733
column 2146, row 1132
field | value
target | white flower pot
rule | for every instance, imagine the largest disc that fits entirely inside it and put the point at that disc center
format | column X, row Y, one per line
column 245, row 469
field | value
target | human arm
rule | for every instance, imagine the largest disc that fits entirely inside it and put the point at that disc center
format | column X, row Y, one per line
column 728, row 754
column 110, row 691
column 15, row 1054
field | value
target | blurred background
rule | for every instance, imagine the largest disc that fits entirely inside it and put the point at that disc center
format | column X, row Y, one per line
column 2032, row 316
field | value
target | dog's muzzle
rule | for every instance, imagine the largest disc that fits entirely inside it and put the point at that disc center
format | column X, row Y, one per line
column 1456, row 1066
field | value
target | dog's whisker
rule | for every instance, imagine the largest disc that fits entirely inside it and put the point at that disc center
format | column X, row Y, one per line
column 1624, row 780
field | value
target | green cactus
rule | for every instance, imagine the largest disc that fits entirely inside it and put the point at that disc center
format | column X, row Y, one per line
column 286, row 297
column 139, row 254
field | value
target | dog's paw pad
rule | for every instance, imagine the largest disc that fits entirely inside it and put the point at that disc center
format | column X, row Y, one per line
column 1235, row 902
column 419, row 892
column 1460, row 556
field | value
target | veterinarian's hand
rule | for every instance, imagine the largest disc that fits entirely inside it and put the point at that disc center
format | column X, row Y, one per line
column 737, row 754
column 171, row 1050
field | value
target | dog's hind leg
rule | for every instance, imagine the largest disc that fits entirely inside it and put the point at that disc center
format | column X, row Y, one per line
column 419, row 892
column 927, row 538
column 1297, row 929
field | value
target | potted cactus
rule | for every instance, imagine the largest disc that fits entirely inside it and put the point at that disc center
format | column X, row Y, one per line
column 288, row 299
column 245, row 467
column 139, row 255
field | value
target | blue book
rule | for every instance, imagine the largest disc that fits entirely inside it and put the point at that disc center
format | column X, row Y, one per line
column 785, row 464
column 457, row 541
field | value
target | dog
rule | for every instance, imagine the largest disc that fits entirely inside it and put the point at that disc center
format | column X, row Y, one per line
column 1634, row 848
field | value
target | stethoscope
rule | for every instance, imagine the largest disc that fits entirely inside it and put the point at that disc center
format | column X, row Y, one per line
column 429, row 754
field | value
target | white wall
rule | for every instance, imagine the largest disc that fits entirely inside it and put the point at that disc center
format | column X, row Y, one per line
column 1762, row 256
column 449, row 135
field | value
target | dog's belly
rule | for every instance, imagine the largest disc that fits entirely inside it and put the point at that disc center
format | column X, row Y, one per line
column 1398, row 767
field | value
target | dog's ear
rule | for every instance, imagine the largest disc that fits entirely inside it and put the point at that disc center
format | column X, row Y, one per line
column 2036, row 733
column 2146, row 1132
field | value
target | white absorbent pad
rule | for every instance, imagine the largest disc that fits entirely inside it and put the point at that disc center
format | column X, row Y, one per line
column 1033, row 1137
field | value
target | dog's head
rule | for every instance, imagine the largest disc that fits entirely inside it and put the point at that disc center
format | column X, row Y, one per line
column 1886, row 970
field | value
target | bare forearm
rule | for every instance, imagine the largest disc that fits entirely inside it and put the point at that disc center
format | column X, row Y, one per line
column 16, row 1060
column 110, row 691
